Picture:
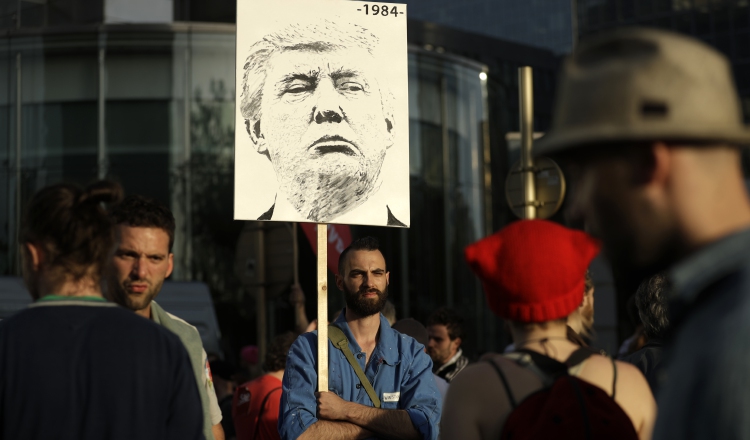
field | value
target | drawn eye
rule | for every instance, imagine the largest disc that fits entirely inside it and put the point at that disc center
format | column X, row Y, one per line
column 351, row 86
column 298, row 87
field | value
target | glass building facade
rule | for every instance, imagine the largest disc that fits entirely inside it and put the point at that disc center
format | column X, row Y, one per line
column 723, row 24
column 540, row 23
column 85, row 94
column 152, row 106
column 138, row 104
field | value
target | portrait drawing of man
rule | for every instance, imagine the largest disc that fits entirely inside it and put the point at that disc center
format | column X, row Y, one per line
column 314, row 105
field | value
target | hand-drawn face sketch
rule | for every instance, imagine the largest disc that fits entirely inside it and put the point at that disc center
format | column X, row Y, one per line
column 316, row 105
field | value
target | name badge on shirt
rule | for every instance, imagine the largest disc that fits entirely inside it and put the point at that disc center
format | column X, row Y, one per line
column 391, row 397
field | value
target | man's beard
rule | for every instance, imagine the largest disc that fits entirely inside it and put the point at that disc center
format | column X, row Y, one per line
column 121, row 295
column 362, row 306
column 438, row 356
column 628, row 273
column 638, row 248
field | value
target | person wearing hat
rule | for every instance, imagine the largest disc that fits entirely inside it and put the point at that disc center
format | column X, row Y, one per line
column 533, row 274
column 648, row 125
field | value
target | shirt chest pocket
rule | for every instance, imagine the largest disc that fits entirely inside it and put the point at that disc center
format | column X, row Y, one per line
column 388, row 385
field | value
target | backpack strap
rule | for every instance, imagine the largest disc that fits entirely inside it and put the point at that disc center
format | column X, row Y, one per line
column 504, row 380
column 578, row 356
column 260, row 412
column 338, row 339
column 546, row 368
column 614, row 379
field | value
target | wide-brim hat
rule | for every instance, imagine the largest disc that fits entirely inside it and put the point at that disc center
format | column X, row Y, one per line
column 533, row 270
column 637, row 84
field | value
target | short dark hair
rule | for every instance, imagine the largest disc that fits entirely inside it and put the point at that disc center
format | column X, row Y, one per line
column 277, row 352
column 361, row 244
column 72, row 227
column 141, row 211
column 651, row 301
column 451, row 319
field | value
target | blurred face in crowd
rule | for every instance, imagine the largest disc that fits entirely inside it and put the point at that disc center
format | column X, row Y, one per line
column 621, row 199
column 441, row 347
column 141, row 263
column 364, row 282
column 323, row 127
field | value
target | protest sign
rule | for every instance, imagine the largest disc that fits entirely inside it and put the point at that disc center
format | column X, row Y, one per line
column 322, row 127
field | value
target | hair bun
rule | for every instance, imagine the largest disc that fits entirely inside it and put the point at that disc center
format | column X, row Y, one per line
column 101, row 191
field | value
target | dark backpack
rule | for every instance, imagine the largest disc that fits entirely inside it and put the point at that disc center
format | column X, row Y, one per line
column 566, row 407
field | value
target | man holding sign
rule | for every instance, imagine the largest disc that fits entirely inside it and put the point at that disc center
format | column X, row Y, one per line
column 380, row 381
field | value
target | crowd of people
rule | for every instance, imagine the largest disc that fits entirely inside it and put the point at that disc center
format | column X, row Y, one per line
column 648, row 129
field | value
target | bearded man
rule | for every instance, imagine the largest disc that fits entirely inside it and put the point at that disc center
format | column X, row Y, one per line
column 400, row 372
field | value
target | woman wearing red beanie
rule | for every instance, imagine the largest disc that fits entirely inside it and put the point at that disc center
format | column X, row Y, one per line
column 533, row 276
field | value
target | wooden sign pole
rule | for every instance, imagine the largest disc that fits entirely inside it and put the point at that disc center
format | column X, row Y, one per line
column 295, row 254
column 322, row 307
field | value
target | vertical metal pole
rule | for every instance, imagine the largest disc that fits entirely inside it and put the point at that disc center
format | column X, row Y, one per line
column 16, row 231
column 187, row 168
column 260, row 297
column 487, row 162
column 101, row 158
column 19, row 127
column 447, row 193
column 526, row 105
column 485, row 336
column 322, row 307
column 574, row 23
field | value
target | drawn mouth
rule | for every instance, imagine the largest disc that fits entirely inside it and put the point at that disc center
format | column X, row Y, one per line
column 333, row 144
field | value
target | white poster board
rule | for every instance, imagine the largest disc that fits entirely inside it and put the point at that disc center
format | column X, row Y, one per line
column 322, row 125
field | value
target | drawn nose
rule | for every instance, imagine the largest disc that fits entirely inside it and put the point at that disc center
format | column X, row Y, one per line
column 327, row 116
column 328, row 104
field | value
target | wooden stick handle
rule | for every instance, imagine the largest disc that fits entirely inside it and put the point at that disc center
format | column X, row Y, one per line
column 295, row 254
column 322, row 307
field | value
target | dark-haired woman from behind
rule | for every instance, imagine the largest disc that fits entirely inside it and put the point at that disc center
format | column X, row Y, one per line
column 115, row 375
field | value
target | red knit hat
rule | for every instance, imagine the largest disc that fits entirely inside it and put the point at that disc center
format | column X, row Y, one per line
column 533, row 270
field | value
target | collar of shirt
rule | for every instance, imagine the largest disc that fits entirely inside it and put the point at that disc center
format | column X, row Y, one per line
column 451, row 361
column 384, row 349
column 697, row 272
column 63, row 300
column 71, row 298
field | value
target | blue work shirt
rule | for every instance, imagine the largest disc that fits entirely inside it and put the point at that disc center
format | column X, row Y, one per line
column 705, row 385
column 399, row 371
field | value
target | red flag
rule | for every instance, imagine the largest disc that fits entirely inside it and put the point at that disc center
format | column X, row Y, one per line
column 339, row 237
